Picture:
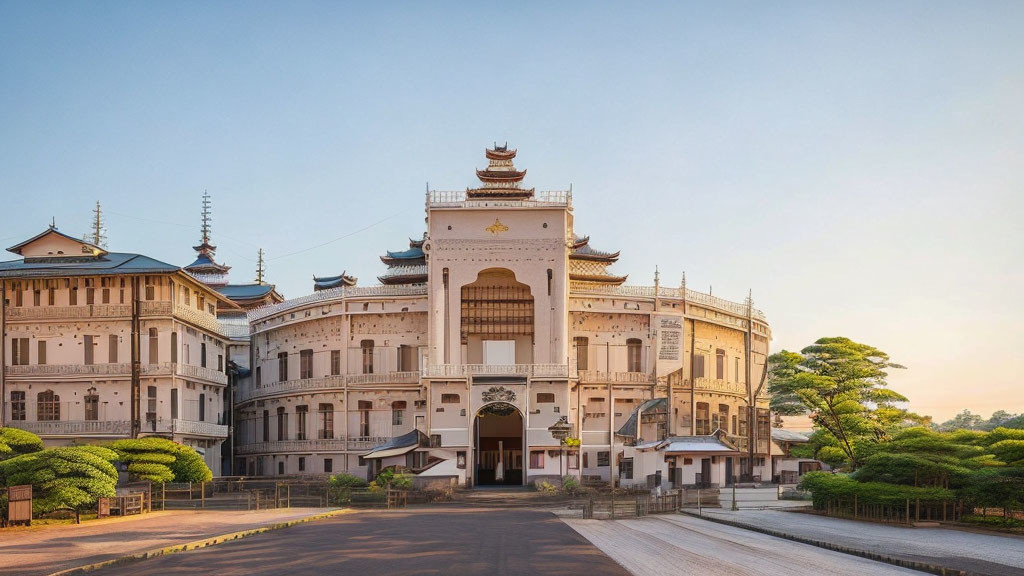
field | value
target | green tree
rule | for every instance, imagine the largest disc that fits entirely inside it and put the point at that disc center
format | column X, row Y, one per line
column 14, row 441
column 842, row 385
column 62, row 478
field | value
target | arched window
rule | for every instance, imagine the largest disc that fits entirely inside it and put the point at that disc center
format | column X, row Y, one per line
column 47, row 406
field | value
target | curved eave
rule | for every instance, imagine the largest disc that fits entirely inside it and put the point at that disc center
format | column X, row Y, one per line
column 580, row 241
column 394, row 280
column 609, row 258
column 500, row 176
column 500, row 154
column 502, row 193
column 598, row 279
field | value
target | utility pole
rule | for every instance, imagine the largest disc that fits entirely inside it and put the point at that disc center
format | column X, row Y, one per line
column 259, row 267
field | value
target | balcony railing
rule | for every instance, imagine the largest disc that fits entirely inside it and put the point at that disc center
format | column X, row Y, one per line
column 384, row 378
column 74, row 427
column 323, row 445
column 156, row 308
column 467, row 370
column 69, row 369
column 597, row 377
column 201, row 319
column 285, row 386
column 457, row 199
column 70, row 312
column 700, row 298
column 189, row 371
column 194, row 428
column 716, row 385
column 335, row 294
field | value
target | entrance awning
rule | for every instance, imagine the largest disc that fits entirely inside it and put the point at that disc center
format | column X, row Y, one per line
column 399, row 445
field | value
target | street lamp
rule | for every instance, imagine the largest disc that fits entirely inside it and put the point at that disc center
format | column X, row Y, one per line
column 560, row 431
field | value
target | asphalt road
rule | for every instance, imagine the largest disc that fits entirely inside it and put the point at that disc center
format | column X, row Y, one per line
column 415, row 541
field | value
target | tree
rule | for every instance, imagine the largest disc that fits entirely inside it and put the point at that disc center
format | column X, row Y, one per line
column 161, row 460
column 842, row 385
column 14, row 441
column 62, row 478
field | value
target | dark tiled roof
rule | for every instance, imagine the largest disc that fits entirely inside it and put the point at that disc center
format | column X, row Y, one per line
column 413, row 438
column 326, row 282
column 244, row 291
column 410, row 254
column 111, row 262
column 204, row 262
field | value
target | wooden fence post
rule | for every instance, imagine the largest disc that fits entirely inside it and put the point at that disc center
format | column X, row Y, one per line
column 202, row 494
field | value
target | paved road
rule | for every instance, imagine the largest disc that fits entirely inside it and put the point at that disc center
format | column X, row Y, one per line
column 682, row 546
column 976, row 552
column 40, row 550
column 414, row 541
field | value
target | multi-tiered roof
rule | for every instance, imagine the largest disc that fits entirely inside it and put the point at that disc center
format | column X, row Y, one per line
column 328, row 282
column 589, row 265
column 205, row 268
column 405, row 267
column 500, row 179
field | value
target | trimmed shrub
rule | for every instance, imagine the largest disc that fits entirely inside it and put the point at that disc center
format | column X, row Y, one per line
column 570, row 485
column 161, row 460
column 61, row 478
column 14, row 441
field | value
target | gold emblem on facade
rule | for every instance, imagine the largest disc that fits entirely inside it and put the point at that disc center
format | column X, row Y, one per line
column 497, row 227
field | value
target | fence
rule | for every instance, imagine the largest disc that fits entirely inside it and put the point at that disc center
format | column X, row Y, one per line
column 908, row 511
column 239, row 493
column 632, row 505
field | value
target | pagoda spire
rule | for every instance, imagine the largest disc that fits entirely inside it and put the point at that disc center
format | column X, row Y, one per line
column 500, row 179
column 204, row 246
column 209, row 271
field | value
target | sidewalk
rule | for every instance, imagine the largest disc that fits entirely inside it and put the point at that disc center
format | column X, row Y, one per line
column 47, row 549
column 975, row 552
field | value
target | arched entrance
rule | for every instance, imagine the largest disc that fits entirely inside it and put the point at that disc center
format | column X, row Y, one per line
column 498, row 429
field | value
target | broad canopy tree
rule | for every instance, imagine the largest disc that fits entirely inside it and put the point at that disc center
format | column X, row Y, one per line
column 842, row 385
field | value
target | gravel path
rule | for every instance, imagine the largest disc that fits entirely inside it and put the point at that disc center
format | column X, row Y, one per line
column 680, row 545
column 40, row 550
column 979, row 553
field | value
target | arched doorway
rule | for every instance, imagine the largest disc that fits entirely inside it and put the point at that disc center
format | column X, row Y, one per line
column 498, row 429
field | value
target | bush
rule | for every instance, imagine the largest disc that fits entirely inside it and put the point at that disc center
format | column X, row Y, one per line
column 570, row 485
column 825, row 486
column 546, row 487
column 161, row 460
column 340, row 487
column 14, row 441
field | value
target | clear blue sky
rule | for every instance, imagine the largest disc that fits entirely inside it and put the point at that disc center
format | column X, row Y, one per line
column 858, row 166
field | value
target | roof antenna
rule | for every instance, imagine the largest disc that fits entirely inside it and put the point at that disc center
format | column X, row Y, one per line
column 53, row 223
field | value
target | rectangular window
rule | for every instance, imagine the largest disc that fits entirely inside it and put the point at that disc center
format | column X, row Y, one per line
column 302, row 463
column 703, row 419
column 36, row 298
column 92, row 407
column 545, row 397
column 367, row 348
column 266, row 425
column 723, row 417
column 364, row 417
column 326, row 422
column 51, row 296
column 202, row 407
column 202, row 354
column 282, row 366
column 73, row 296
column 282, row 424
column 736, row 370
column 720, row 364
column 536, row 459
column 174, row 403
column 174, row 347
column 154, row 346
column 300, row 422
column 335, row 362
column 460, row 460
column 220, row 362
column 90, row 295
column 698, row 366
column 88, row 343
column 105, row 298
column 112, row 349
column 47, row 406
column 449, row 398
column 259, row 376
column 151, row 406
column 633, row 349
column 397, row 412
column 328, row 465
column 407, row 360
column 17, row 405
column 150, row 292
column 626, row 468
column 19, row 351
column 582, row 352
column 743, row 421
column 41, row 352
column 306, row 364
column 602, row 459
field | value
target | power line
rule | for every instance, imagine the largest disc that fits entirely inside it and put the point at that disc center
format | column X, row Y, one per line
column 353, row 233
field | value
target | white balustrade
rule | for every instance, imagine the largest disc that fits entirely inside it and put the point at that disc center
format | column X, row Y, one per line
column 467, row 370
column 189, row 371
column 384, row 378
column 201, row 319
column 70, row 312
column 74, row 427
column 195, row 428
column 594, row 376
column 716, row 385
column 335, row 294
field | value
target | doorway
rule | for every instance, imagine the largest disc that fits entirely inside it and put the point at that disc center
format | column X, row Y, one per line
column 498, row 429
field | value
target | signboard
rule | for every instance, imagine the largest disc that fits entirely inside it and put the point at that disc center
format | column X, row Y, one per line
column 19, row 504
column 669, row 343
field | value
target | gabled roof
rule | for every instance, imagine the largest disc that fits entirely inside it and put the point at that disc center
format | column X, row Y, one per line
column 108, row 263
column 95, row 250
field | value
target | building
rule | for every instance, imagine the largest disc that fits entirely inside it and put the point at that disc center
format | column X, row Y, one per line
column 102, row 345
column 497, row 332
